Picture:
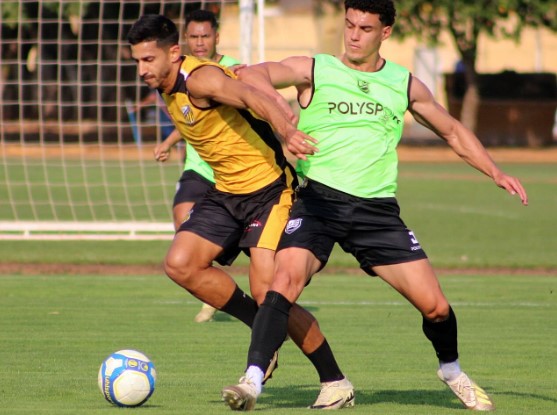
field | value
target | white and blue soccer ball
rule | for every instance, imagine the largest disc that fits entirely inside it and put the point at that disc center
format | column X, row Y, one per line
column 127, row 378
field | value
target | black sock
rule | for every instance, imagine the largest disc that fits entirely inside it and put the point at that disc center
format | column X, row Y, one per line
column 443, row 336
column 241, row 306
column 325, row 363
column 269, row 330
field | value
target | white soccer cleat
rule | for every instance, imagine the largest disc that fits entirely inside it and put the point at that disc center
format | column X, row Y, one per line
column 240, row 397
column 471, row 395
column 335, row 395
column 205, row 314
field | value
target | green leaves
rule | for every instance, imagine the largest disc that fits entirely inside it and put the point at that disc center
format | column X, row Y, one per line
column 467, row 19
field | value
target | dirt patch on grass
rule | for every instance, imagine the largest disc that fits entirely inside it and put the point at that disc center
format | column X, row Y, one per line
column 110, row 269
column 500, row 155
column 418, row 153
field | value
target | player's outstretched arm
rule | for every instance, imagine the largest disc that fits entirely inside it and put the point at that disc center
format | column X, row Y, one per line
column 464, row 142
column 210, row 83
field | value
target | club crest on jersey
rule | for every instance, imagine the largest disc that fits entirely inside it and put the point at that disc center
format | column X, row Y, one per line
column 363, row 85
column 293, row 225
column 188, row 114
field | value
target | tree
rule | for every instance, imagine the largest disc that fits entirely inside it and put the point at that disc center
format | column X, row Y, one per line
column 466, row 20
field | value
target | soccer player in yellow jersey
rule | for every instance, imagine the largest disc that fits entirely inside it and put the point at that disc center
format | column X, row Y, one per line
column 202, row 38
column 229, row 124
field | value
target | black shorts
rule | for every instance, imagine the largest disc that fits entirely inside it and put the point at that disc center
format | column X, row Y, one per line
column 369, row 229
column 191, row 187
column 239, row 222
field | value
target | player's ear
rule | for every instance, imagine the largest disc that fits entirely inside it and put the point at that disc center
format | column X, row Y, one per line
column 387, row 31
column 175, row 53
column 217, row 37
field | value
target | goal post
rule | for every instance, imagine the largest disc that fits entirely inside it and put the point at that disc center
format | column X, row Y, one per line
column 76, row 150
column 85, row 188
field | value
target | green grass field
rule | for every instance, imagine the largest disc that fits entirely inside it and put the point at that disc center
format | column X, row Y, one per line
column 460, row 217
column 56, row 331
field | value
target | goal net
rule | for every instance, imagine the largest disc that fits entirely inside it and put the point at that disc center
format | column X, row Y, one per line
column 75, row 146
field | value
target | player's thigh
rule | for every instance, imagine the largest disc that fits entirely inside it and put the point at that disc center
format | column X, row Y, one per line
column 293, row 269
column 417, row 282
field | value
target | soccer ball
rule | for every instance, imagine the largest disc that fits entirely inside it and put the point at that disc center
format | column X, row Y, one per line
column 127, row 378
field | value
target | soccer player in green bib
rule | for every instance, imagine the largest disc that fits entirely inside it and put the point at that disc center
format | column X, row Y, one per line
column 202, row 38
column 354, row 105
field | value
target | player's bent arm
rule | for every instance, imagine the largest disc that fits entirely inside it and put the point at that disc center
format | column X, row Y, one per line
column 162, row 150
column 295, row 71
column 258, row 77
column 211, row 84
column 428, row 112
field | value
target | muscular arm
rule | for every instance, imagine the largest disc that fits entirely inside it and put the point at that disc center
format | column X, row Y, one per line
column 464, row 142
column 270, row 76
column 211, row 83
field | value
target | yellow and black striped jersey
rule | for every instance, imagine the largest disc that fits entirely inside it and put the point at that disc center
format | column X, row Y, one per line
column 241, row 149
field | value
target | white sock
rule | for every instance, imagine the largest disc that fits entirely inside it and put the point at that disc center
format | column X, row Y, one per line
column 255, row 375
column 450, row 370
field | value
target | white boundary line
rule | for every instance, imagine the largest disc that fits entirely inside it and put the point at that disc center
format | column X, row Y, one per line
column 45, row 230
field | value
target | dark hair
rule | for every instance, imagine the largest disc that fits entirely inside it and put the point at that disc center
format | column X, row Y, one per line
column 384, row 8
column 155, row 27
column 202, row 16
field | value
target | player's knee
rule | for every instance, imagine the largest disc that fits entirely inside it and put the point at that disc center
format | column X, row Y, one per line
column 258, row 295
column 437, row 312
column 289, row 284
column 181, row 269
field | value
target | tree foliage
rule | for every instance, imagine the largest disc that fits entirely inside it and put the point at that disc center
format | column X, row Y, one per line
column 466, row 20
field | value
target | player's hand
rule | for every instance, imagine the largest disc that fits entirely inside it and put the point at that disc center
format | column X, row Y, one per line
column 237, row 68
column 512, row 185
column 301, row 144
column 161, row 152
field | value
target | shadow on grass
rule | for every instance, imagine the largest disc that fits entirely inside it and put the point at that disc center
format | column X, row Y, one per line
column 301, row 396
column 515, row 394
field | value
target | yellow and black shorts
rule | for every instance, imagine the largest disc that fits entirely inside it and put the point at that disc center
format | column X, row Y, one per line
column 242, row 221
